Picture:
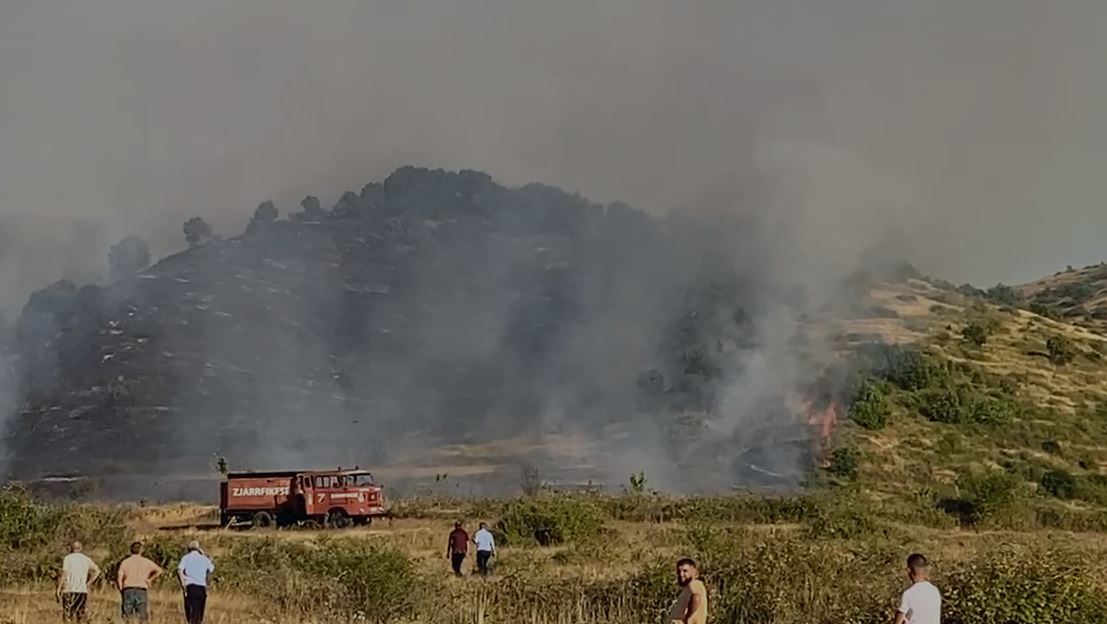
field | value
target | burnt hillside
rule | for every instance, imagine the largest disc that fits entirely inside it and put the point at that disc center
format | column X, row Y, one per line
column 434, row 308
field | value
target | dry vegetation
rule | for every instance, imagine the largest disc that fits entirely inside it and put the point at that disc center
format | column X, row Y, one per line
column 977, row 434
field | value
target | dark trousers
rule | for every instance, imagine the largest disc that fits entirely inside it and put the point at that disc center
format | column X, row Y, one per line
column 196, row 598
column 482, row 561
column 74, row 606
column 456, row 560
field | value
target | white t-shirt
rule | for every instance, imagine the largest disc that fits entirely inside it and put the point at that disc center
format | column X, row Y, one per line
column 922, row 604
column 484, row 540
column 76, row 567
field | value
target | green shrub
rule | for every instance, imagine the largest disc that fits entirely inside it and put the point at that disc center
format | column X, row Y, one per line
column 1021, row 588
column 844, row 462
column 840, row 518
column 870, row 406
column 976, row 333
column 1053, row 447
column 907, row 368
column 1059, row 483
column 942, row 405
column 983, row 496
column 1061, row 350
column 549, row 520
column 340, row 578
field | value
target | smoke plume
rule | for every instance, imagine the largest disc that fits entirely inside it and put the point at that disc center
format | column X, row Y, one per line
column 808, row 133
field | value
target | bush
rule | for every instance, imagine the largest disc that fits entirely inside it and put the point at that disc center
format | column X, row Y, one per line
column 1059, row 483
column 1017, row 588
column 341, row 578
column 976, row 334
column 1061, row 350
column 870, row 406
column 549, row 520
column 983, row 496
column 844, row 462
column 196, row 231
column 942, row 405
column 907, row 368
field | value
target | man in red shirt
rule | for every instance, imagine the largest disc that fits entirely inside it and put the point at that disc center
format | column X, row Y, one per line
column 457, row 547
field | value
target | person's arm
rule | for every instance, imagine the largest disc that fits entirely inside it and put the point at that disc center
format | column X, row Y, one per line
column 154, row 574
column 695, row 605
column 119, row 578
column 181, row 575
column 93, row 572
column 450, row 546
column 904, row 609
column 61, row 582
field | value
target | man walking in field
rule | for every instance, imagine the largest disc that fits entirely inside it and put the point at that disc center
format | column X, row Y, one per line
column 77, row 573
column 135, row 575
column 691, row 605
column 457, row 547
column 193, row 574
column 486, row 548
column 922, row 602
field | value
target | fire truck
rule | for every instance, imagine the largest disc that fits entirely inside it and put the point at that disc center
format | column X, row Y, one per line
column 334, row 498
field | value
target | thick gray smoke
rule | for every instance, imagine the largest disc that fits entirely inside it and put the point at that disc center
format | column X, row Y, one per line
column 819, row 130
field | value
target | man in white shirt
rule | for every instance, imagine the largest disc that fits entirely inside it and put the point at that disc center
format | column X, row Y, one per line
column 486, row 548
column 77, row 573
column 193, row 573
column 922, row 602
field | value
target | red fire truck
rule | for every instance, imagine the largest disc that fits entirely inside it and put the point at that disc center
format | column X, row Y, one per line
column 336, row 498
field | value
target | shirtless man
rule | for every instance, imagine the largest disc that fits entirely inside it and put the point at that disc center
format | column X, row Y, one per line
column 691, row 605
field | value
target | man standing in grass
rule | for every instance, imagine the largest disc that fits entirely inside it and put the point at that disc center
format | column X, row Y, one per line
column 457, row 547
column 77, row 573
column 486, row 548
column 135, row 575
column 193, row 573
column 691, row 605
column 922, row 602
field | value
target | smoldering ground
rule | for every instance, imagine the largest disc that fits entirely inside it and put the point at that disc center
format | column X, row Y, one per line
column 938, row 130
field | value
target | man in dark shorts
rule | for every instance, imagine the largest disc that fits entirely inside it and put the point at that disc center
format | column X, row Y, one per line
column 457, row 547
column 76, row 574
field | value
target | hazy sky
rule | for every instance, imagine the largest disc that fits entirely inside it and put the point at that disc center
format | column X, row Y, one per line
column 971, row 132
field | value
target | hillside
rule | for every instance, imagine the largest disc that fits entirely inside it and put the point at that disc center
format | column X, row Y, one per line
column 453, row 334
column 433, row 323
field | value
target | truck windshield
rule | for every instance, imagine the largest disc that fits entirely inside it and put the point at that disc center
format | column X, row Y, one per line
column 363, row 479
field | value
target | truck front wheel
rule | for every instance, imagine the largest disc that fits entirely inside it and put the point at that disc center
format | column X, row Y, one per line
column 338, row 519
column 263, row 520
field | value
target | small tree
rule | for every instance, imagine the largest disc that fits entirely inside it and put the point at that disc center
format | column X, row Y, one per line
column 312, row 210
column 196, row 231
column 870, row 406
column 127, row 257
column 264, row 214
column 976, row 333
column 1061, row 350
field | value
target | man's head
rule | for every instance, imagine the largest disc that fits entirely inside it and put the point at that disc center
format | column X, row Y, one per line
column 194, row 546
column 136, row 548
column 686, row 571
column 75, row 546
column 457, row 525
column 483, row 525
column 918, row 567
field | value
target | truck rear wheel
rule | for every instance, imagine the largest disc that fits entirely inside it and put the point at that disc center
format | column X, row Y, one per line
column 263, row 520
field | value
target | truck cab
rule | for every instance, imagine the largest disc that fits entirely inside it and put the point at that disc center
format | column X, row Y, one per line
column 340, row 498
